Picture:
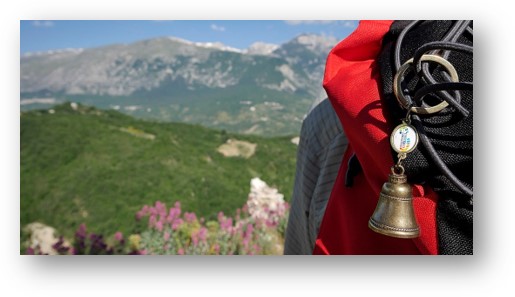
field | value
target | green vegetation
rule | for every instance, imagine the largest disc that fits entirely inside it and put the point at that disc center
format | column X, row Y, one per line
column 99, row 167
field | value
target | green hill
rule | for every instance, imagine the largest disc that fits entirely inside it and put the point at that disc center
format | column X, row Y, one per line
column 99, row 167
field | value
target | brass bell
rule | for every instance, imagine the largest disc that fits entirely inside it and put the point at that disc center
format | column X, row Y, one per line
column 394, row 215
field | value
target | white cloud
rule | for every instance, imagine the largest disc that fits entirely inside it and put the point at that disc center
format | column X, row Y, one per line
column 215, row 27
column 43, row 24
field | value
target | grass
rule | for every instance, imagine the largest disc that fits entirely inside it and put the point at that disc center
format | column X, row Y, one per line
column 99, row 167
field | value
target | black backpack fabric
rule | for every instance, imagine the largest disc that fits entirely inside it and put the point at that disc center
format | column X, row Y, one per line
column 450, row 133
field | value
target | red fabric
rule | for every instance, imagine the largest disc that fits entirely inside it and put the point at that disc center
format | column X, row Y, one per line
column 352, row 84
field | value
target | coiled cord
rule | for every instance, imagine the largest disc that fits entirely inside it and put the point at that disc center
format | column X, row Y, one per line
column 441, row 90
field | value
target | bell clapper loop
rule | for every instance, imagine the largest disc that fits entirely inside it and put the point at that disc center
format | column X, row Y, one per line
column 400, row 157
column 397, row 169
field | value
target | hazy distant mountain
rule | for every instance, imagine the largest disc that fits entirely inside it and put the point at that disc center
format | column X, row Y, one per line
column 261, row 48
column 265, row 89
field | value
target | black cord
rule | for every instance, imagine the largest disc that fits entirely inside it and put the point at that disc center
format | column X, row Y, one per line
column 398, row 44
column 450, row 38
column 438, row 89
column 447, row 86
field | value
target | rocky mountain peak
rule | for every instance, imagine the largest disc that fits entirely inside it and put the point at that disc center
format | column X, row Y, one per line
column 261, row 48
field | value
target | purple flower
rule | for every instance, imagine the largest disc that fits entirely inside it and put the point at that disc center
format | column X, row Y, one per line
column 80, row 240
column 81, row 232
column 98, row 246
column 59, row 246
column 29, row 251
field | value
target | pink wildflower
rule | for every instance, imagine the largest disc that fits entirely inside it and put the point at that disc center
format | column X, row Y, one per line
column 160, row 209
column 248, row 235
column 195, row 238
column 202, row 234
column 190, row 217
column 180, row 251
column 143, row 252
column 226, row 224
column 270, row 223
column 118, row 236
column 166, row 236
column 159, row 226
column 178, row 208
column 173, row 214
column 176, row 224
column 152, row 221
column 143, row 212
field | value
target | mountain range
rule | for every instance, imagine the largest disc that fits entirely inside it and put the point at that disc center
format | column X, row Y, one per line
column 265, row 89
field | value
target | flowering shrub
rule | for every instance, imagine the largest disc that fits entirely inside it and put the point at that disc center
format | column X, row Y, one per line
column 170, row 234
column 257, row 228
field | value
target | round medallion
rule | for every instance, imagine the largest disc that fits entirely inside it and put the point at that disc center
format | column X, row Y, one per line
column 404, row 138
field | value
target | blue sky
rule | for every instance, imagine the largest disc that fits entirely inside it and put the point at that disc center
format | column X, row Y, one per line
column 47, row 35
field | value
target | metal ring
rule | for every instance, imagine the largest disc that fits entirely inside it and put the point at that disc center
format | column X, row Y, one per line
column 405, row 102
